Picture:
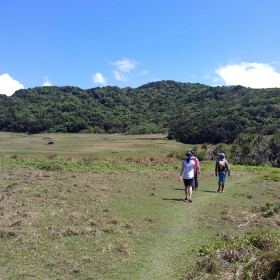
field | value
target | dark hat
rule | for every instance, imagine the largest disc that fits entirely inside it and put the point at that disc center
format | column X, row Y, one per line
column 189, row 155
column 192, row 151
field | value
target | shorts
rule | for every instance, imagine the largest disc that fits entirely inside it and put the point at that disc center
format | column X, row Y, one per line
column 189, row 182
column 222, row 177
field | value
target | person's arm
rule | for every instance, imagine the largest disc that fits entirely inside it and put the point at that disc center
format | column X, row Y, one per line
column 198, row 170
column 181, row 172
column 194, row 167
column 228, row 169
column 216, row 169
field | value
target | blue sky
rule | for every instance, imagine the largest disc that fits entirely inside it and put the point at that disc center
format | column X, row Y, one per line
column 128, row 43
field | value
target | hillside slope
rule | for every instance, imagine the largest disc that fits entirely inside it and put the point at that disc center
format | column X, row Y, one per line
column 191, row 113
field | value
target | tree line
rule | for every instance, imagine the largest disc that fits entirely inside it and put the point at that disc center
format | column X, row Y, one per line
column 187, row 112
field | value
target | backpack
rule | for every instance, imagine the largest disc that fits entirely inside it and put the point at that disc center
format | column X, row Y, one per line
column 195, row 162
column 222, row 165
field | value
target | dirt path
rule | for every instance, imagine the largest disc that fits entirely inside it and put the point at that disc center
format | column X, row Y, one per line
column 176, row 247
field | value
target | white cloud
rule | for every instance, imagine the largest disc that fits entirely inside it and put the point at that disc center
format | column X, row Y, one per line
column 254, row 75
column 47, row 82
column 144, row 72
column 120, row 77
column 99, row 79
column 8, row 85
column 125, row 65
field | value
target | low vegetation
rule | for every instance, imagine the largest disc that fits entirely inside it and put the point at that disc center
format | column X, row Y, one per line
column 255, row 255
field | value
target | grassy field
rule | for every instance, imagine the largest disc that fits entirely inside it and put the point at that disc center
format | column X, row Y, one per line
column 111, row 207
column 101, row 145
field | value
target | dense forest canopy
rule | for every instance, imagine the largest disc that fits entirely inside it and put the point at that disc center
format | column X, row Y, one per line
column 189, row 113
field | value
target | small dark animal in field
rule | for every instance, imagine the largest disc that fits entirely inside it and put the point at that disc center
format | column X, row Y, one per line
column 50, row 143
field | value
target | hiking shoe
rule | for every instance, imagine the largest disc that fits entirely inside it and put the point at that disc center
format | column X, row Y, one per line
column 218, row 190
column 186, row 199
column 190, row 200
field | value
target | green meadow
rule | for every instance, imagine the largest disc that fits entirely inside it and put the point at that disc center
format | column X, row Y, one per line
column 112, row 207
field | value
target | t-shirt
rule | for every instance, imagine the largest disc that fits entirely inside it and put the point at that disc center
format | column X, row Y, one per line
column 189, row 169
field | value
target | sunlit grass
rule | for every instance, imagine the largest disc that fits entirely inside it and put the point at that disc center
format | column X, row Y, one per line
column 101, row 145
column 82, row 216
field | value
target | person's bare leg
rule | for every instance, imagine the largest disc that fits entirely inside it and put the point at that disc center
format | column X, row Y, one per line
column 186, row 192
column 223, row 185
column 190, row 193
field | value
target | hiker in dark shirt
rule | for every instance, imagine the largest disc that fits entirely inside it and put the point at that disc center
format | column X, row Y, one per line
column 222, row 168
column 195, row 159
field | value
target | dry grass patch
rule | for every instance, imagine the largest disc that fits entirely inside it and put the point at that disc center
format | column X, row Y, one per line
column 253, row 256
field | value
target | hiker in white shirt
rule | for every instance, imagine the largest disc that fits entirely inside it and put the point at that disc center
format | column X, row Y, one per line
column 187, row 175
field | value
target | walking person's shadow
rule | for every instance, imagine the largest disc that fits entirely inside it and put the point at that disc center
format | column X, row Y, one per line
column 176, row 199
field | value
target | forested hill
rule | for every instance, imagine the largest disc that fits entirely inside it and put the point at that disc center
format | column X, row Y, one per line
column 190, row 113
